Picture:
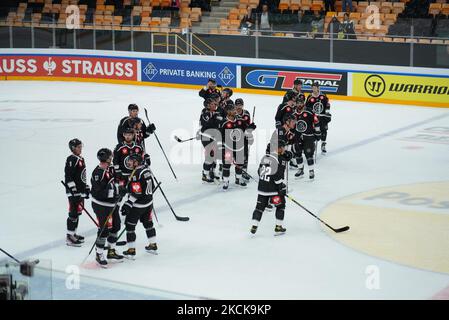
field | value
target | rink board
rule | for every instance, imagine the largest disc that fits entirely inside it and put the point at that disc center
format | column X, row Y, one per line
column 394, row 85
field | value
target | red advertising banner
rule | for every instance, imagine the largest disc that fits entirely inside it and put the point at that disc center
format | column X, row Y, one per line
column 68, row 66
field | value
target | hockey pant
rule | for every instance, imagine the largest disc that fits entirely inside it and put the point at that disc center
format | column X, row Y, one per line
column 306, row 146
column 144, row 215
column 262, row 203
column 76, row 205
column 110, row 231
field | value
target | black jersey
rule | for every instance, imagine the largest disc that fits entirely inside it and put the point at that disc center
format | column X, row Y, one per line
column 245, row 117
column 233, row 134
column 280, row 133
column 318, row 105
column 140, row 132
column 271, row 175
column 282, row 110
column 104, row 187
column 299, row 96
column 307, row 123
column 206, row 93
column 140, row 188
column 75, row 175
column 209, row 124
column 121, row 155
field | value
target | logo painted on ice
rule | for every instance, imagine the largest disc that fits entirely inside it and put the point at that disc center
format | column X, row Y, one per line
column 150, row 71
column 226, row 75
column 50, row 66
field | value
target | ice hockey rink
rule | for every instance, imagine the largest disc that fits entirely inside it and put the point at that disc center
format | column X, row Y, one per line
column 386, row 175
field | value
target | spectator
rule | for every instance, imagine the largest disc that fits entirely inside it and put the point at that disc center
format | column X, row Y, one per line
column 265, row 19
column 270, row 3
column 203, row 4
column 349, row 2
column 317, row 25
column 334, row 27
column 348, row 27
column 329, row 5
column 247, row 21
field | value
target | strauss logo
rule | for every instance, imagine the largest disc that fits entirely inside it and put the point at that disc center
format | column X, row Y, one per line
column 49, row 66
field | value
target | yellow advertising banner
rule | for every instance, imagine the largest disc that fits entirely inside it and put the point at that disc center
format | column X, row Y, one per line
column 408, row 89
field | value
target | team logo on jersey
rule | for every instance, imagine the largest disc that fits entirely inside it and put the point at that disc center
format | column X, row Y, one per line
column 137, row 150
column 83, row 175
column 226, row 75
column 136, row 187
column 318, row 107
column 125, row 151
column 301, row 126
column 126, row 163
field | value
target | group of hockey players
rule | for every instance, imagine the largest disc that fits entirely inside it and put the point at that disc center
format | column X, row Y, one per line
column 120, row 174
column 226, row 132
column 123, row 182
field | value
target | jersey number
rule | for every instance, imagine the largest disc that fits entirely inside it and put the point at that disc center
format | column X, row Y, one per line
column 265, row 172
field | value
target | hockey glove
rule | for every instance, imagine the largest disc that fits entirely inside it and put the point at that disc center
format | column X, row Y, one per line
column 288, row 155
column 122, row 191
column 126, row 209
column 282, row 189
column 87, row 191
column 73, row 189
column 151, row 128
column 252, row 126
column 147, row 159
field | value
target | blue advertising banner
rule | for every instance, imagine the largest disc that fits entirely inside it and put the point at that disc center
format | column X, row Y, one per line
column 188, row 72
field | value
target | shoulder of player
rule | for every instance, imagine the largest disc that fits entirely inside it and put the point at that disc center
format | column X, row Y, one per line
column 124, row 120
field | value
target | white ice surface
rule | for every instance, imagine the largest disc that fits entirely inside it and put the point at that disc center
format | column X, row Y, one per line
column 212, row 255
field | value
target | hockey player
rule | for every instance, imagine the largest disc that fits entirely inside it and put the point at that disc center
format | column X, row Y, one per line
column 139, row 206
column 285, row 108
column 105, row 195
column 209, row 89
column 271, row 187
column 308, row 129
column 232, row 146
column 209, row 135
column 318, row 103
column 121, row 154
column 75, row 179
column 130, row 122
column 285, row 132
column 248, row 126
column 296, row 90
column 226, row 95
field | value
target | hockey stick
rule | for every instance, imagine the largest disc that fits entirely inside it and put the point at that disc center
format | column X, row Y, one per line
column 308, row 211
column 316, row 146
column 84, row 209
column 166, row 200
column 254, row 113
column 338, row 230
column 108, row 217
column 160, row 145
column 180, row 140
column 122, row 243
column 9, row 255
